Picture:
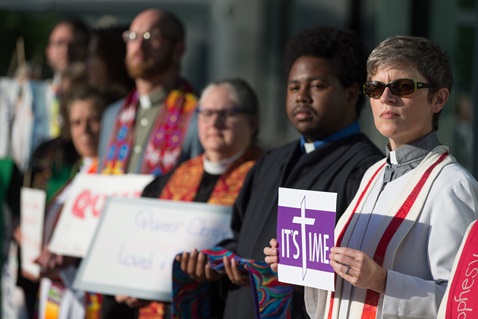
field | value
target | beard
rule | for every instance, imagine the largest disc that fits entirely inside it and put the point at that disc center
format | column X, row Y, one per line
column 150, row 67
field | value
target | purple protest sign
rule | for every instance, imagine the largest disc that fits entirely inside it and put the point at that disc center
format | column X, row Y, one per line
column 305, row 232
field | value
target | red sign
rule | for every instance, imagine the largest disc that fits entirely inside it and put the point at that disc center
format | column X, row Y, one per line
column 463, row 295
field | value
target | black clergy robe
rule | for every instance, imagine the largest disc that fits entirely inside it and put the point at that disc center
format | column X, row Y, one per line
column 337, row 167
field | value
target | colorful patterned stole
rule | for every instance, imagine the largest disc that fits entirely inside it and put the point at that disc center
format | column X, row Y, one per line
column 461, row 297
column 164, row 145
column 408, row 207
column 272, row 299
column 183, row 186
column 184, row 183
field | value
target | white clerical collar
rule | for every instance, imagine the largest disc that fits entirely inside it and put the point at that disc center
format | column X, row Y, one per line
column 154, row 98
column 145, row 102
column 393, row 158
column 220, row 167
column 309, row 147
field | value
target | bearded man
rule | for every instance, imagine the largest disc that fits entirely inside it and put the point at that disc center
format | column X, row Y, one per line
column 154, row 128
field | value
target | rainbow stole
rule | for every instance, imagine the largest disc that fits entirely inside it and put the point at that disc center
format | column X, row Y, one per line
column 272, row 299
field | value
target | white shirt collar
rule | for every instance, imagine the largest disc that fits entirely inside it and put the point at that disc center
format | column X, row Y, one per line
column 220, row 167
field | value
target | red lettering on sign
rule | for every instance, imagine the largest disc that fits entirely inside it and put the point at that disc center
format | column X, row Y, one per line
column 89, row 204
column 80, row 203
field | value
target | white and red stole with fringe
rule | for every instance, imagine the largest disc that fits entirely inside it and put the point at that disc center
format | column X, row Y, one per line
column 407, row 206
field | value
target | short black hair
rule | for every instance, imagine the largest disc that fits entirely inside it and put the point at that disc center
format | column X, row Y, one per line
column 343, row 48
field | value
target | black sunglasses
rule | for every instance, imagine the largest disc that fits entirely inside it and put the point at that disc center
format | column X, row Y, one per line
column 400, row 87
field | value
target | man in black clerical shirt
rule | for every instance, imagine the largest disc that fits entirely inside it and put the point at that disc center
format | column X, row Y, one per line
column 326, row 70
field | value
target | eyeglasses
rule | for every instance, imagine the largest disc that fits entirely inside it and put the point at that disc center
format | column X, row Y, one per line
column 147, row 36
column 400, row 87
column 207, row 115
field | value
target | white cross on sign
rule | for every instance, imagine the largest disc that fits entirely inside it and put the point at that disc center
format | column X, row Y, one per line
column 302, row 220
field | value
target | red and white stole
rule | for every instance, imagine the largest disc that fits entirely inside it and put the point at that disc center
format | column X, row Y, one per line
column 461, row 296
column 407, row 206
column 164, row 145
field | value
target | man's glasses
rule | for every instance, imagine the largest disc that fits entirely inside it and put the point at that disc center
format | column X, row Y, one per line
column 129, row 36
column 400, row 87
column 207, row 115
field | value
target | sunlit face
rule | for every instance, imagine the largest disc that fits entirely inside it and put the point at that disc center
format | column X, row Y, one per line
column 85, row 127
column 403, row 119
column 317, row 104
column 63, row 47
column 146, row 58
column 223, row 136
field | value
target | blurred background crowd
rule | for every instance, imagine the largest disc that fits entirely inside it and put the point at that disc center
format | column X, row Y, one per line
column 246, row 39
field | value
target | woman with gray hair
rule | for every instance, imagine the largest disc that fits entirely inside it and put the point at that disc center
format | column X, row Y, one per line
column 228, row 120
column 396, row 242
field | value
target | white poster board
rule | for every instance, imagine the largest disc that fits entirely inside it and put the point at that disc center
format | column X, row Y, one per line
column 86, row 198
column 136, row 242
column 32, row 215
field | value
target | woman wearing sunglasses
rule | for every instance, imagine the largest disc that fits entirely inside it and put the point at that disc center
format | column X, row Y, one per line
column 396, row 243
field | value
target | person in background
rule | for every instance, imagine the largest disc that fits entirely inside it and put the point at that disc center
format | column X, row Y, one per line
column 84, row 109
column 105, row 62
column 228, row 125
column 67, row 44
column 398, row 239
column 38, row 117
column 154, row 127
column 51, row 164
column 326, row 68
column 57, row 156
